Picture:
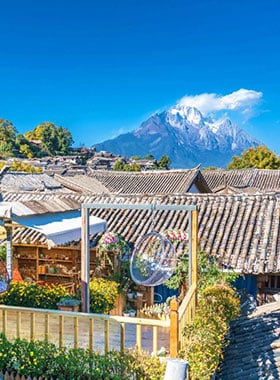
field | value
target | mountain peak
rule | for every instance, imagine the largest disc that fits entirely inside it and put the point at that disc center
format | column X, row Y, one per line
column 181, row 116
column 186, row 136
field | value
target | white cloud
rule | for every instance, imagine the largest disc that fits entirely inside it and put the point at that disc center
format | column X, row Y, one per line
column 242, row 100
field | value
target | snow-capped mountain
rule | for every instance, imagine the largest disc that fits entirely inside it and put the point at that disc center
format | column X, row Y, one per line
column 186, row 136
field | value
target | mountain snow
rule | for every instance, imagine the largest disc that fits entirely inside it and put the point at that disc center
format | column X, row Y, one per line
column 186, row 136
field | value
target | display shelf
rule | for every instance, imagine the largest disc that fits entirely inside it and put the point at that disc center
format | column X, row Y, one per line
column 57, row 275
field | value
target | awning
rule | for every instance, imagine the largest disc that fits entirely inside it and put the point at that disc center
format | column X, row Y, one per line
column 60, row 228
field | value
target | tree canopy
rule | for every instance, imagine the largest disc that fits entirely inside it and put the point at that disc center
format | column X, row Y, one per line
column 260, row 157
column 55, row 140
column 7, row 138
column 164, row 162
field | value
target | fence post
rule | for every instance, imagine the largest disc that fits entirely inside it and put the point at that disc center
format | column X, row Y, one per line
column 194, row 255
column 174, row 328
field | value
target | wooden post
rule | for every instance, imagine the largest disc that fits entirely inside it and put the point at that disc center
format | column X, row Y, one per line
column 174, row 328
column 194, row 271
column 85, row 259
column 9, row 248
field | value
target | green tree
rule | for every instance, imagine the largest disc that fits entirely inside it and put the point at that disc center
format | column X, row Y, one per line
column 7, row 138
column 118, row 166
column 164, row 162
column 55, row 140
column 132, row 168
column 149, row 156
column 24, row 167
column 135, row 158
column 260, row 158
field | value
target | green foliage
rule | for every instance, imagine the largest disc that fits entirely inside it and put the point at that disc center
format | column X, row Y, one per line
column 49, row 361
column 119, row 165
column 55, row 140
column 33, row 295
column 7, row 138
column 3, row 252
column 25, row 148
column 132, row 167
column 209, row 272
column 103, row 295
column 260, row 158
column 210, row 168
column 149, row 156
column 164, row 162
column 24, row 167
column 218, row 305
column 135, row 158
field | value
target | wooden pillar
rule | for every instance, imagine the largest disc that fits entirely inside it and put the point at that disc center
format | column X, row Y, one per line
column 194, row 253
column 85, row 259
column 9, row 249
column 174, row 328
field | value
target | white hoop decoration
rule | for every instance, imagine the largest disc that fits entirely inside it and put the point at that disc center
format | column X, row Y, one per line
column 4, row 277
column 153, row 260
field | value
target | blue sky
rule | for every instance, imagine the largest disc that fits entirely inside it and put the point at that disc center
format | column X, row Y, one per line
column 100, row 68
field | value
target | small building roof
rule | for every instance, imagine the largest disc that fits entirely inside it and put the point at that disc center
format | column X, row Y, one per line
column 22, row 181
column 242, row 180
column 145, row 182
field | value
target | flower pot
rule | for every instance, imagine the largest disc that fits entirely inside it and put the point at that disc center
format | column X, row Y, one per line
column 68, row 307
column 132, row 313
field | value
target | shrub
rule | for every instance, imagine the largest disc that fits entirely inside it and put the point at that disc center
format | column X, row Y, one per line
column 218, row 305
column 48, row 361
column 33, row 295
column 103, row 295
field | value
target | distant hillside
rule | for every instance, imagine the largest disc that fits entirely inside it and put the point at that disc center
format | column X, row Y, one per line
column 186, row 137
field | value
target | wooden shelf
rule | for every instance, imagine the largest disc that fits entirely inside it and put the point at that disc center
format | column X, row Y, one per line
column 57, row 274
column 26, row 258
column 55, row 260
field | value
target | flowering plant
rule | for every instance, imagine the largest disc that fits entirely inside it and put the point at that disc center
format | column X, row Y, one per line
column 110, row 241
column 176, row 236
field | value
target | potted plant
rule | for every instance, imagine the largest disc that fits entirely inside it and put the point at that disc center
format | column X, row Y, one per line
column 68, row 303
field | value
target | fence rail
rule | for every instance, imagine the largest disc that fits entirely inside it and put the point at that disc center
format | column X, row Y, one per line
column 75, row 329
column 186, row 312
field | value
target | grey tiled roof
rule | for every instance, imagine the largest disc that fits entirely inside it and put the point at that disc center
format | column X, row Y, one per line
column 242, row 230
column 21, row 181
column 254, row 349
column 82, row 184
column 243, row 180
column 146, row 182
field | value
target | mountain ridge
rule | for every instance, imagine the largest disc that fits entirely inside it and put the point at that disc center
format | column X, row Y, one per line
column 186, row 136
